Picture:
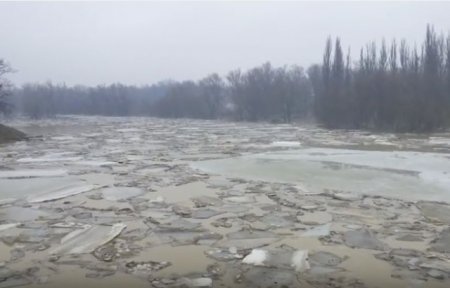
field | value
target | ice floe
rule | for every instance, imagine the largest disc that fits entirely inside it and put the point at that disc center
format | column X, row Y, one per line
column 87, row 239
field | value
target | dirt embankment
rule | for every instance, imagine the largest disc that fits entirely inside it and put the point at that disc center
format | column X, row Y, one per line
column 8, row 134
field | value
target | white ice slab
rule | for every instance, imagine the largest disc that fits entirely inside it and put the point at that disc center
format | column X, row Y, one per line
column 62, row 192
column 256, row 257
column 29, row 173
column 64, row 138
column 4, row 227
column 41, row 189
column 298, row 259
column 86, row 240
column 196, row 282
column 6, row 201
column 286, row 144
column 48, row 159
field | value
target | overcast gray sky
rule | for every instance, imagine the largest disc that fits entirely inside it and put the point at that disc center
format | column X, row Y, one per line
column 144, row 42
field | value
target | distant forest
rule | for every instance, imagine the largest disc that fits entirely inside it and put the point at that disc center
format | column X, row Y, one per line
column 391, row 87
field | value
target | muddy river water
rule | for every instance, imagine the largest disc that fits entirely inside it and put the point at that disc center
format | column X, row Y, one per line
column 142, row 202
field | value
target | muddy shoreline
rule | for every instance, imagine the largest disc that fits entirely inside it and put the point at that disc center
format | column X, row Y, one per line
column 114, row 202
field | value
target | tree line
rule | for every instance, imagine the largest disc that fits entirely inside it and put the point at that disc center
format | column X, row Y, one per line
column 48, row 100
column 395, row 87
column 261, row 93
column 391, row 87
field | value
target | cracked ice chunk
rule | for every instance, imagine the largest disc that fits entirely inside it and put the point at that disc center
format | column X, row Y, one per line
column 279, row 258
column 363, row 238
column 197, row 282
column 299, row 260
column 256, row 257
column 87, row 239
column 321, row 230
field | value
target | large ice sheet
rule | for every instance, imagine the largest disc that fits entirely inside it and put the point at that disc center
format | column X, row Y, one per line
column 404, row 175
column 51, row 157
column 30, row 173
column 42, row 189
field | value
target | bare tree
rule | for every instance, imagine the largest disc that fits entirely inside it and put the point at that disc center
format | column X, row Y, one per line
column 212, row 92
column 5, row 89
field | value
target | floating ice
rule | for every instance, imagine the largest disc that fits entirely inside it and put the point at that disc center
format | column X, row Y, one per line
column 440, row 141
column 315, row 218
column 435, row 212
column 324, row 258
column 8, row 226
column 256, row 257
column 21, row 214
column 322, row 230
column 300, row 260
column 120, row 193
column 41, row 189
column 240, row 199
column 442, row 243
column 96, row 163
column 399, row 174
column 7, row 201
column 196, row 282
column 62, row 192
column 56, row 157
column 63, row 138
column 279, row 258
column 346, row 196
column 363, row 238
column 87, row 239
column 30, row 173
column 158, row 199
column 224, row 254
column 286, row 144
column 204, row 213
column 265, row 277
column 126, row 130
column 245, row 239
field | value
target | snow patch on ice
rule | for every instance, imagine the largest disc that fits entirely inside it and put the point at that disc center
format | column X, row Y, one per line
column 256, row 257
column 300, row 261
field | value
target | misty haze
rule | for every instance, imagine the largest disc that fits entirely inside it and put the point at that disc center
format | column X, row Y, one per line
column 225, row 144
